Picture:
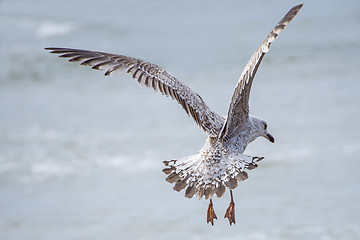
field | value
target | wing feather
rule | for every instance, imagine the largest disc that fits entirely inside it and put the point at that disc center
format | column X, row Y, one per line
column 150, row 75
column 238, row 112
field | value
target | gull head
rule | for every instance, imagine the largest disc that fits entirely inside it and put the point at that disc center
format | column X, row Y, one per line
column 259, row 129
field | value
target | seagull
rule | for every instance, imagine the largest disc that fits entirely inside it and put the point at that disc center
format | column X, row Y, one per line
column 220, row 164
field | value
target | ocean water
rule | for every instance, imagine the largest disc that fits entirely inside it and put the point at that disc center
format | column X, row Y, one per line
column 81, row 154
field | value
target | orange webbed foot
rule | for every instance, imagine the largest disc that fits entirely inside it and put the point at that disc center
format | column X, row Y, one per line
column 211, row 214
column 230, row 211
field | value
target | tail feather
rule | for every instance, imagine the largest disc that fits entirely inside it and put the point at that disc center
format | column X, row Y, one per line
column 181, row 184
column 220, row 190
column 190, row 191
column 206, row 176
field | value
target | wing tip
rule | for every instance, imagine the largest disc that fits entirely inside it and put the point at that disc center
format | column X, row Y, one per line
column 294, row 10
column 58, row 50
column 52, row 49
column 299, row 6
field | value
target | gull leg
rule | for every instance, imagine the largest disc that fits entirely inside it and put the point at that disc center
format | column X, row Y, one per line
column 211, row 213
column 230, row 212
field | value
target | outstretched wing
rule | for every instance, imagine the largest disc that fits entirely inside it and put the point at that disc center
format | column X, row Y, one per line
column 239, row 107
column 150, row 75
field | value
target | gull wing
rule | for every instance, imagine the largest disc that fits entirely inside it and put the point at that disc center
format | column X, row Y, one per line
column 238, row 113
column 150, row 75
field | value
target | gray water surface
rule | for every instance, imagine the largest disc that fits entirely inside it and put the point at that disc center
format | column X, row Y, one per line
column 81, row 154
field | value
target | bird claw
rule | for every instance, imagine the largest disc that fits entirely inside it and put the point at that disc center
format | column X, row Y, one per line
column 211, row 214
column 230, row 213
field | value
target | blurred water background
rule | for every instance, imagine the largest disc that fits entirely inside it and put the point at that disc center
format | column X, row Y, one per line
column 81, row 154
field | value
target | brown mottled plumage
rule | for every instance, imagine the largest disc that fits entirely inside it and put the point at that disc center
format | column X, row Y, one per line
column 220, row 164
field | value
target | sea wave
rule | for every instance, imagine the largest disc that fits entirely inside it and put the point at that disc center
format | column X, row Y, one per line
column 50, row 29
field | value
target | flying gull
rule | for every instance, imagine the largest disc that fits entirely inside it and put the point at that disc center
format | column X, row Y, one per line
column 220, row 164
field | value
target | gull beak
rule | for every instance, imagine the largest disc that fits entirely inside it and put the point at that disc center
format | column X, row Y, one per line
column 269, row 137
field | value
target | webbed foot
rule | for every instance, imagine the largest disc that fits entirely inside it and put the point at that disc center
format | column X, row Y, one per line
column 211, row 213
column 230, row 211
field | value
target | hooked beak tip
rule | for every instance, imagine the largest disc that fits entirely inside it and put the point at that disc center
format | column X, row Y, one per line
column 270, row 137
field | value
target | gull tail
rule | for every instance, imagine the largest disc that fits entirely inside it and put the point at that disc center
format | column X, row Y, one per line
column 206, row 176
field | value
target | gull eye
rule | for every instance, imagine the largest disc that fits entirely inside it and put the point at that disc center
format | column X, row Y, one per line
column 265, row 126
